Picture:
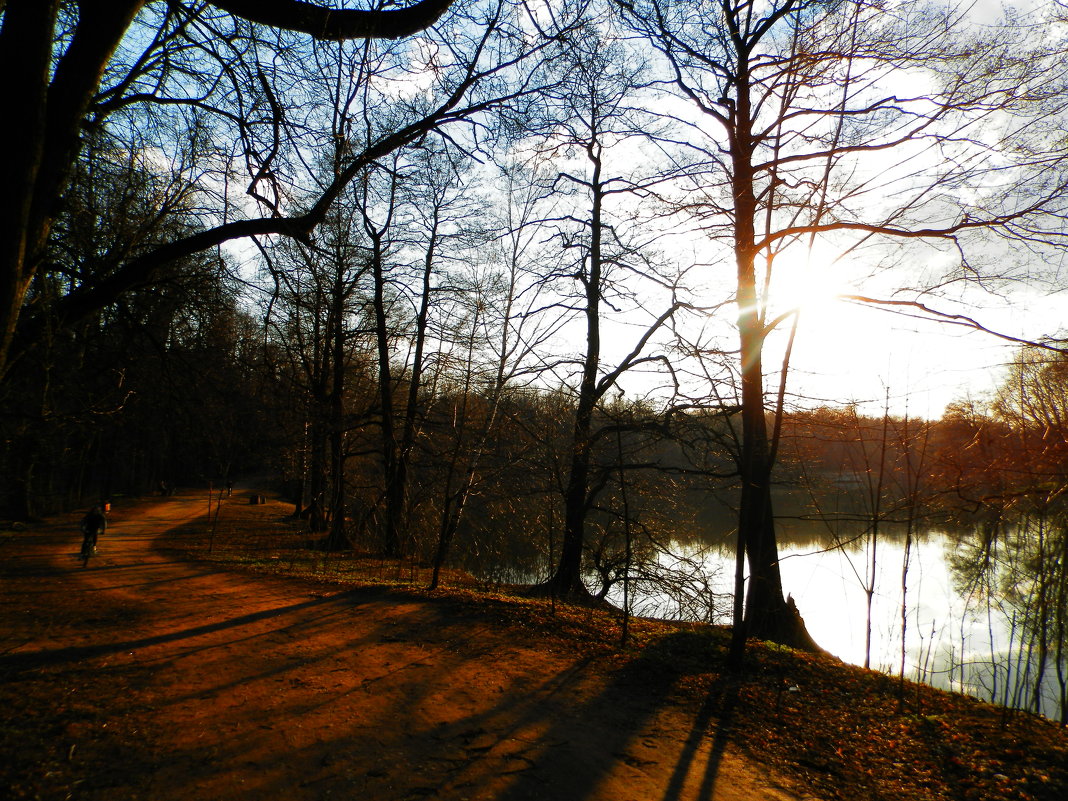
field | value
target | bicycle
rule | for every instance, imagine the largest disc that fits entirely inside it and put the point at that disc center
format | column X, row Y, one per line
column 88, row 546
column 93, row 525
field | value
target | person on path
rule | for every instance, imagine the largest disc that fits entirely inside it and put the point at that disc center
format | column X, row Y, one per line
column 93, row 525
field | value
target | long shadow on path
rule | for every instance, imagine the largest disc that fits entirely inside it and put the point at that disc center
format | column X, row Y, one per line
column 17, row 662
column 620, row 724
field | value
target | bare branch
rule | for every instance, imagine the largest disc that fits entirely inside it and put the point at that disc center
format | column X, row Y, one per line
column 337, row 24
column 927, row 313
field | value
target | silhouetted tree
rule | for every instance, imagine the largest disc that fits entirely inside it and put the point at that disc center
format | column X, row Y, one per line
column 812, row 142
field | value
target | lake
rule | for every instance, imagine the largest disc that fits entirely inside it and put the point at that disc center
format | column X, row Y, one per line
column 953, row 641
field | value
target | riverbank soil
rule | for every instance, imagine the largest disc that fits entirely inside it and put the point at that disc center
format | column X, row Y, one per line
column 152, row 675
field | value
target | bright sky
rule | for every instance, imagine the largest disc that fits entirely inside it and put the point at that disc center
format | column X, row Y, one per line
column 846, row 352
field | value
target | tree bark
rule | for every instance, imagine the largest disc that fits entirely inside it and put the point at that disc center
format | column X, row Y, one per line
column 337, row 539
column 767, row 614
column 394, row 475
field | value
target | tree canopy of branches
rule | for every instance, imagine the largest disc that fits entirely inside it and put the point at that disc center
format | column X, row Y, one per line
column 807, row 132
column 67, row 69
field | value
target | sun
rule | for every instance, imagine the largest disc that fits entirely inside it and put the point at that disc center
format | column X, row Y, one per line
column 809, row 282
column 830, row 340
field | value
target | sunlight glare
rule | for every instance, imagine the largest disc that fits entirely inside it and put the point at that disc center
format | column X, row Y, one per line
column 809, row 281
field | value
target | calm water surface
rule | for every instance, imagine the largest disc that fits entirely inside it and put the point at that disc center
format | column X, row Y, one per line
column 953, row 641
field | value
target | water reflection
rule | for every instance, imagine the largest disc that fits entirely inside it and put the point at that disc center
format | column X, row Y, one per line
column 964, row 641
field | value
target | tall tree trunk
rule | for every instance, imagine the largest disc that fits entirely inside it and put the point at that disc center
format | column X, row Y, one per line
column 452, row 511
column 318, row 427
column 567, row 581
column 393, row 469
column 337, row 539
column 315, row 511
column 767, row 614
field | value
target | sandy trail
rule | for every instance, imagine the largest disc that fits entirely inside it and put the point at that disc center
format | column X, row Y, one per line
column 221, row 685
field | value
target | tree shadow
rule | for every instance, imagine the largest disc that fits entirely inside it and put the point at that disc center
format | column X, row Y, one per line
column 14, row 663
column 300, row 692
column 626, row 712
column 719, row 706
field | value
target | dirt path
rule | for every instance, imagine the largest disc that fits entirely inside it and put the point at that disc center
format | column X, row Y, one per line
column 176, row 680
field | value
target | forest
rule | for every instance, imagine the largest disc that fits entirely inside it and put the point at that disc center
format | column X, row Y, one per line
column 497, row 285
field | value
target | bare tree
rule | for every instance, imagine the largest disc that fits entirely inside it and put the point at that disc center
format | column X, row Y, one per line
column 67, row 66
column 814, row 143
column 596, row 116
column 313, row 315
column 1022, row 556
column 496, row 301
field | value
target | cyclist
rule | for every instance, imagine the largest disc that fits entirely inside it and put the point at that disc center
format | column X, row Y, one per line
column 93, row 525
